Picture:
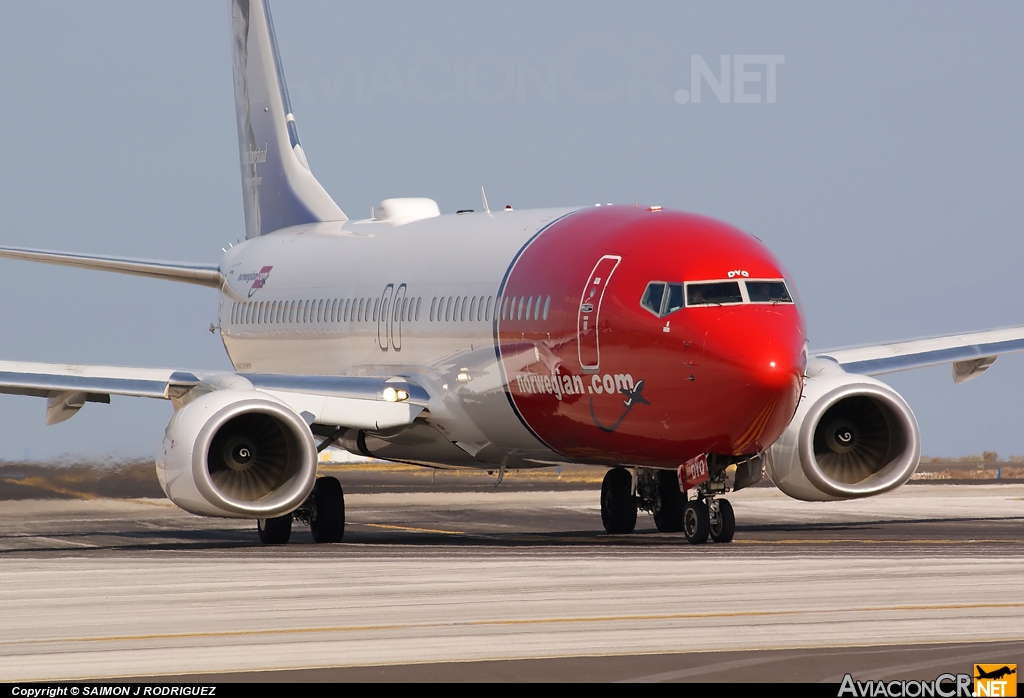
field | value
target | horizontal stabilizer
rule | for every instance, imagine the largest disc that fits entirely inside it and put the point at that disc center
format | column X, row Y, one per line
column 201, row 274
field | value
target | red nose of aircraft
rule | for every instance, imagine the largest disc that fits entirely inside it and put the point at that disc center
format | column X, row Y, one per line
column 755, row 358
column 669, row 335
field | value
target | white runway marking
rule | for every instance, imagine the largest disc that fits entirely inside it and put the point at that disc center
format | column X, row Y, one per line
column 74, row 618
column 201, row 596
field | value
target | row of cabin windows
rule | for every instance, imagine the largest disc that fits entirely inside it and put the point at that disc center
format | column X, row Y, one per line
column 482, row 308
column 318, row 311
column 447, row 308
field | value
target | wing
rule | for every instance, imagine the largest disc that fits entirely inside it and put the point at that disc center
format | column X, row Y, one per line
column 971, row 354
column 201, row 274
column 358, row 402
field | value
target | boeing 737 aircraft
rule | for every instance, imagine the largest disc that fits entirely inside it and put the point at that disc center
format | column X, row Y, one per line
column 661, row 345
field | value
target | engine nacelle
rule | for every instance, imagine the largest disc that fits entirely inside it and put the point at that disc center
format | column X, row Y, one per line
column 852, row 436
column 237, row 453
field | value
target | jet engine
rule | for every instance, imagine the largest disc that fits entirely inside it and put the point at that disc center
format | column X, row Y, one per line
column 852, row 436
column 237, row 453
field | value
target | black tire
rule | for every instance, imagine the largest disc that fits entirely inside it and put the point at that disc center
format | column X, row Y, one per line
column 328, row 520
column 696, row 524
column 723, row 526
column 275, row 531
column 672, row 501
column 618, row 504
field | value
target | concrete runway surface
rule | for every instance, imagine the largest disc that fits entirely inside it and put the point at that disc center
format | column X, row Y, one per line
column 516, row 586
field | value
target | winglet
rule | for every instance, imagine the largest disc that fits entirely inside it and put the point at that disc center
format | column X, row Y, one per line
column 278, row 189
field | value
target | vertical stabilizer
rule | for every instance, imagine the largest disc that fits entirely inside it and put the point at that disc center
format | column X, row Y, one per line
column 278, row 190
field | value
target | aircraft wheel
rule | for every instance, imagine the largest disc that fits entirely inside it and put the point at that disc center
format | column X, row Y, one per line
column 275, row 531
column 672, row 501
column 722, row 521
column 696, row 523
column 328, row 520
column 618, row 504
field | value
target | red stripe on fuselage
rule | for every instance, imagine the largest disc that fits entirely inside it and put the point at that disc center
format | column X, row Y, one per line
column 604, row 380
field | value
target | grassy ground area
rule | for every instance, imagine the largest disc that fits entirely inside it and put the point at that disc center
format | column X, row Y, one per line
column 137, row 478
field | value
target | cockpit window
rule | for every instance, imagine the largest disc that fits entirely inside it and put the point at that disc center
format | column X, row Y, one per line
column 662, row 298
column 653, row 296
column 718, row 293
column 674, row 299
column 768, row 292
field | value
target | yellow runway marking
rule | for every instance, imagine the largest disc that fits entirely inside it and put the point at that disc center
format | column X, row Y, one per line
column 518, row 622
column 413, row 529
column 863, row 541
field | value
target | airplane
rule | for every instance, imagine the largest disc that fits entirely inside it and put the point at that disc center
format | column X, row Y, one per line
column 995, row 674
column 358, row 334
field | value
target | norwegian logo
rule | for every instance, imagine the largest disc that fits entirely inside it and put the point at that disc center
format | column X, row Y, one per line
column 258, row 278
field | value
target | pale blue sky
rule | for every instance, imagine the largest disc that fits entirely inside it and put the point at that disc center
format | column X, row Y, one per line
column 886, row 176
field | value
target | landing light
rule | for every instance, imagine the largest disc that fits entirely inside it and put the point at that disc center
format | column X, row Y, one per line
column 772, row 364
column 394, row 395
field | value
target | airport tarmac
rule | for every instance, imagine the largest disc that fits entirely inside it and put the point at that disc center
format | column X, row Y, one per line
column 516, row 585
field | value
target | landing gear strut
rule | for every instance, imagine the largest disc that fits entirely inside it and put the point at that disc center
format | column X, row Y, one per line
column 618, row 504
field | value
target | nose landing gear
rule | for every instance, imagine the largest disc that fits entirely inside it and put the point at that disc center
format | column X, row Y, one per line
column 721, row 520
column 708, row 517
column 696, row 524
column 705, row 516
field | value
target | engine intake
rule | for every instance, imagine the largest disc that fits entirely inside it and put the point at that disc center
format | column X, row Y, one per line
column 237, row 453
column 852, row 436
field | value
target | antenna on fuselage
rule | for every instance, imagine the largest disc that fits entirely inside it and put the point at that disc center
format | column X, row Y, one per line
column 483, row 196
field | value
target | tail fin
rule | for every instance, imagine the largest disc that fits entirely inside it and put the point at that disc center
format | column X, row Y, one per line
column 278, row 190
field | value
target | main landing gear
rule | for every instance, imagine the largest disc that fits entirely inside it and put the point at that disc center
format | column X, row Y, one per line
column 618, row 503
column 323, row 511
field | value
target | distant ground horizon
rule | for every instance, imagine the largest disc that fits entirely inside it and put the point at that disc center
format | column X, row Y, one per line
column 134, row 479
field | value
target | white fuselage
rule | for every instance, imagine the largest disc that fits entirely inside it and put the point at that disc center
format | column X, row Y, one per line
column 366, row 298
